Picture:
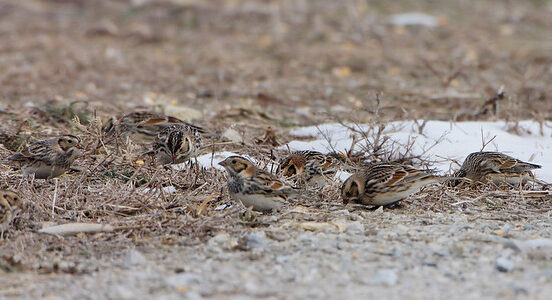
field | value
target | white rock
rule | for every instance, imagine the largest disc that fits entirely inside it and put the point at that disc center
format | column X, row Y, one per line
column 256, row 240
column 413, row 18
column 504, row 264
column 355, row 228
column 182, row 280
column 134, row 257
column 233, row 136
column 385, row 277
column 120, row 292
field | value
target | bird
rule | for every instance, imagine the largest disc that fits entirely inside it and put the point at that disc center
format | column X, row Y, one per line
column 384, row 184
column 308, row 167
column 496, row 167
column 144, row 125
column 254, row 187
column 176, row 144
column 9, row 203
column 48, row 158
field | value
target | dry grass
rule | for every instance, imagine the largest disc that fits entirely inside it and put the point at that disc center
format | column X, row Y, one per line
column 69, row 65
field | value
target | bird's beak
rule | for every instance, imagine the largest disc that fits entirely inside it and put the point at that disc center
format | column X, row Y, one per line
column 222, row 163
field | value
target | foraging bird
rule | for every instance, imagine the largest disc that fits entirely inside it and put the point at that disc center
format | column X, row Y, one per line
column 385, row 184
column 497, row 167
column 144, row 124
column 9, row 203
column 176, row 144
column 49, row 158
column 254, row 187
column 311, row 167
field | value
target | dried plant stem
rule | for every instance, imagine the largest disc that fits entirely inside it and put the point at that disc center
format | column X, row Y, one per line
column 54, row 198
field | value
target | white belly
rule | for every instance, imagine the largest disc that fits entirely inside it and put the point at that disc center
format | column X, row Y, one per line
column 44, row 172
column 499, row 179
column 258, row 202
column 389, row 198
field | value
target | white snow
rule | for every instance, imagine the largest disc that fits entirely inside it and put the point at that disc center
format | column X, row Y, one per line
column 444, row 141
column 439, row 141
column 209, row 161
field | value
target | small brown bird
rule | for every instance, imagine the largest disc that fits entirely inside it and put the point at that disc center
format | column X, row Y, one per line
column 310, row 167
column 254, row 187
column 496, row 167
column 144, row 125
column 176, row 144
column 9, row 203
column 385, row 184
column 49, row 158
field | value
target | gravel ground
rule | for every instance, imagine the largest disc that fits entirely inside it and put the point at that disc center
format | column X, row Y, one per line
column 383, row 253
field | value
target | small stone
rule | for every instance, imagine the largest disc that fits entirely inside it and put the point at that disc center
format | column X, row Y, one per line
column 355, row 228
column 341, row 213
column 378, row 211
column 120, row 292
column 221, row 241
column 255, row 240
column 278, row 235
column 385, row 277
column 504, row 264
column 182, row 280
column 233, row 136
column 134, row 257
column 401, row 229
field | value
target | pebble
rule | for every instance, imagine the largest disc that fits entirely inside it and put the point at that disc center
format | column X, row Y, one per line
column 134, row 257
column 120, row 292
column 278, row 235
column 385, row 277
column 504, row 264
column 355, row 228
column 182, row 280
column 256, row 240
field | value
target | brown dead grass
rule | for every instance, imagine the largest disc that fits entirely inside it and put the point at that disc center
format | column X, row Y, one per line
column 251, row 65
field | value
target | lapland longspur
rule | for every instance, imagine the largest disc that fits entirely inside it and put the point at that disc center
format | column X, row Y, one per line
column 496, row 167
column 385, row 184
column 49, row 158
column 254, row 187
column 308, row 167
column 176, row 144
column 9, row 203
column 144, row 123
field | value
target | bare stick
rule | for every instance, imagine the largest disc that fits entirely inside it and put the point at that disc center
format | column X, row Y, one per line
column 55, row 198
column 484, row 144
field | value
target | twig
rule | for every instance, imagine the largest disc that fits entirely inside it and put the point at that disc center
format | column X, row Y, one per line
column 55, row 198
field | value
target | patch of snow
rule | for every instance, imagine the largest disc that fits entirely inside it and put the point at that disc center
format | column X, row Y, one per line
column 443, row 142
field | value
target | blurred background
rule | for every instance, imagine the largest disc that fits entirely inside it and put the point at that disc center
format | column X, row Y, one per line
column 290, row 62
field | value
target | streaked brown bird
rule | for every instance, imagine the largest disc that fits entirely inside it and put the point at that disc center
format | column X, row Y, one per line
column 308, row 167
column 10, row 202
column 254, row 187
column 496, row 167
column 144, row 125
column 176, row 144
column 385, row 184
column 48, row 158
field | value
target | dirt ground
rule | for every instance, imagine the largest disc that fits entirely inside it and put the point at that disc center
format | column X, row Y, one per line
column 248, row 65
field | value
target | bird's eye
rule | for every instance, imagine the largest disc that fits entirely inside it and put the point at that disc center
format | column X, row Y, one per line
column 234, row 161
